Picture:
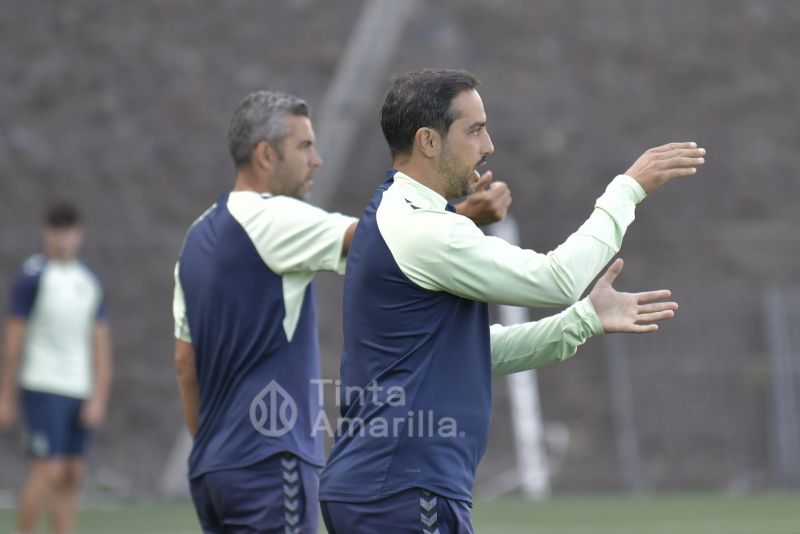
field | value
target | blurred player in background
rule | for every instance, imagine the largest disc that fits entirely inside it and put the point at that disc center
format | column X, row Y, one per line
column 246, row 352
column 57, row 362
column 416, row 319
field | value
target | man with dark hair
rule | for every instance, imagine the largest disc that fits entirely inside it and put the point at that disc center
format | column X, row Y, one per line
column 416, row 328
column 62, row 215
column 247, row 354
column 58, row 361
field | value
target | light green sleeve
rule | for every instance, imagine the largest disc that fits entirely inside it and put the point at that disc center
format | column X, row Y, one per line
column 535, row 344
column 455, row 256
column 290, row 235
column 179, row 311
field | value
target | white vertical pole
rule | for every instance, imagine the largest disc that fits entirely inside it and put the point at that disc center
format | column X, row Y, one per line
column 786, row 420
column 361, row 74
column 523, row 390
column 623, row 412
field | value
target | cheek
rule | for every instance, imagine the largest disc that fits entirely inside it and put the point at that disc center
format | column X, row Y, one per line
column 303, row 161
column 478, row 142
column 470, row 152
column 296, row 165
column 469, row 146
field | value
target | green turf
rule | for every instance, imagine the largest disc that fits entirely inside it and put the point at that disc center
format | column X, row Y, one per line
column 690, row 514
column 685, row 514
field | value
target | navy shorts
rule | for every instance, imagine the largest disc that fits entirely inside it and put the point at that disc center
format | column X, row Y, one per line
column 279, row 495
column 412, row 511
column 54, row 427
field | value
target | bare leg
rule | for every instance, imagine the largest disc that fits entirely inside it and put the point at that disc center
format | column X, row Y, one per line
column 35, row 494
column 66, row 488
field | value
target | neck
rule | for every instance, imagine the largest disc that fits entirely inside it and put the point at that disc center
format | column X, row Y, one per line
column 59, row 258
column 247, row 180
column 422, row 172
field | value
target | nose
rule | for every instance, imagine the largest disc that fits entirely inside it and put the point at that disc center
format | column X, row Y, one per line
column 316, row 161
column 489, row 146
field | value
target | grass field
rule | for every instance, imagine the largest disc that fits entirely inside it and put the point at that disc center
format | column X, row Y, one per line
column 685, row 514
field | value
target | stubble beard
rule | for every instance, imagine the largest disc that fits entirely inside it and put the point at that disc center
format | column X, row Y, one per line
column 456, row 177
column 291, row 188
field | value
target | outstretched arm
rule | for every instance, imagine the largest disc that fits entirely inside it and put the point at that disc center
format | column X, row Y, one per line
column 463, row 261
column 490, row 201
column 553, row 339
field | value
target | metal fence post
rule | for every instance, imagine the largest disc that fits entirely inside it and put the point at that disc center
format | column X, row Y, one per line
column 623, row 413
column 786, row 426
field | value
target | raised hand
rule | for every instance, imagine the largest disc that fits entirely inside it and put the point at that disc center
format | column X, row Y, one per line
column 661, row 164
column 489, row 203
column 633, row 313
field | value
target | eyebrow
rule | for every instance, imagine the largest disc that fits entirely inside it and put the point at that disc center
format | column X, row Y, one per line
column 476, row 125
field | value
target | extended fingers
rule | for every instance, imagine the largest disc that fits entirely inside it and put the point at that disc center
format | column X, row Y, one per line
column 612, row 272
column 652, row 313
column 657, row 307
column 681, row 171
column 643, row 328
column 649, row 296
column 673, row 146
column 655, row 316
column 680, row 152
column 680, row 161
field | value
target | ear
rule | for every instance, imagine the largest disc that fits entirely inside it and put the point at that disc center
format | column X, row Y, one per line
column 264, row 156
column 428, row 142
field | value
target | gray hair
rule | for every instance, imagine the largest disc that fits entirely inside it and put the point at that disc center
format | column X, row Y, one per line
column 261, row 116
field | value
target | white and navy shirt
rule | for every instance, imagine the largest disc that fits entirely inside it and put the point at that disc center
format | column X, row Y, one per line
column 418, row 281
column 244, row 299
column 61, row 302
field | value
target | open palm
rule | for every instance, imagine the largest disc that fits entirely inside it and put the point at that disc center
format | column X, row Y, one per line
column 634, row 313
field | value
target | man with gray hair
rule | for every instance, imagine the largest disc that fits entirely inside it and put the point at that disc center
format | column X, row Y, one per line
column 247, row 354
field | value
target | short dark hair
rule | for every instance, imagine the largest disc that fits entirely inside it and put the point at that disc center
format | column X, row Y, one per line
column 420, row 99
column 261, row 116
column 62, row 215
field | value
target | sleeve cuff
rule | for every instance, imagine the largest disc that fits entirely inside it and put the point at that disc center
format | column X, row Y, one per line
column 183, row 336
column 632, row 188
column 589, row 318
column 345, row 223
